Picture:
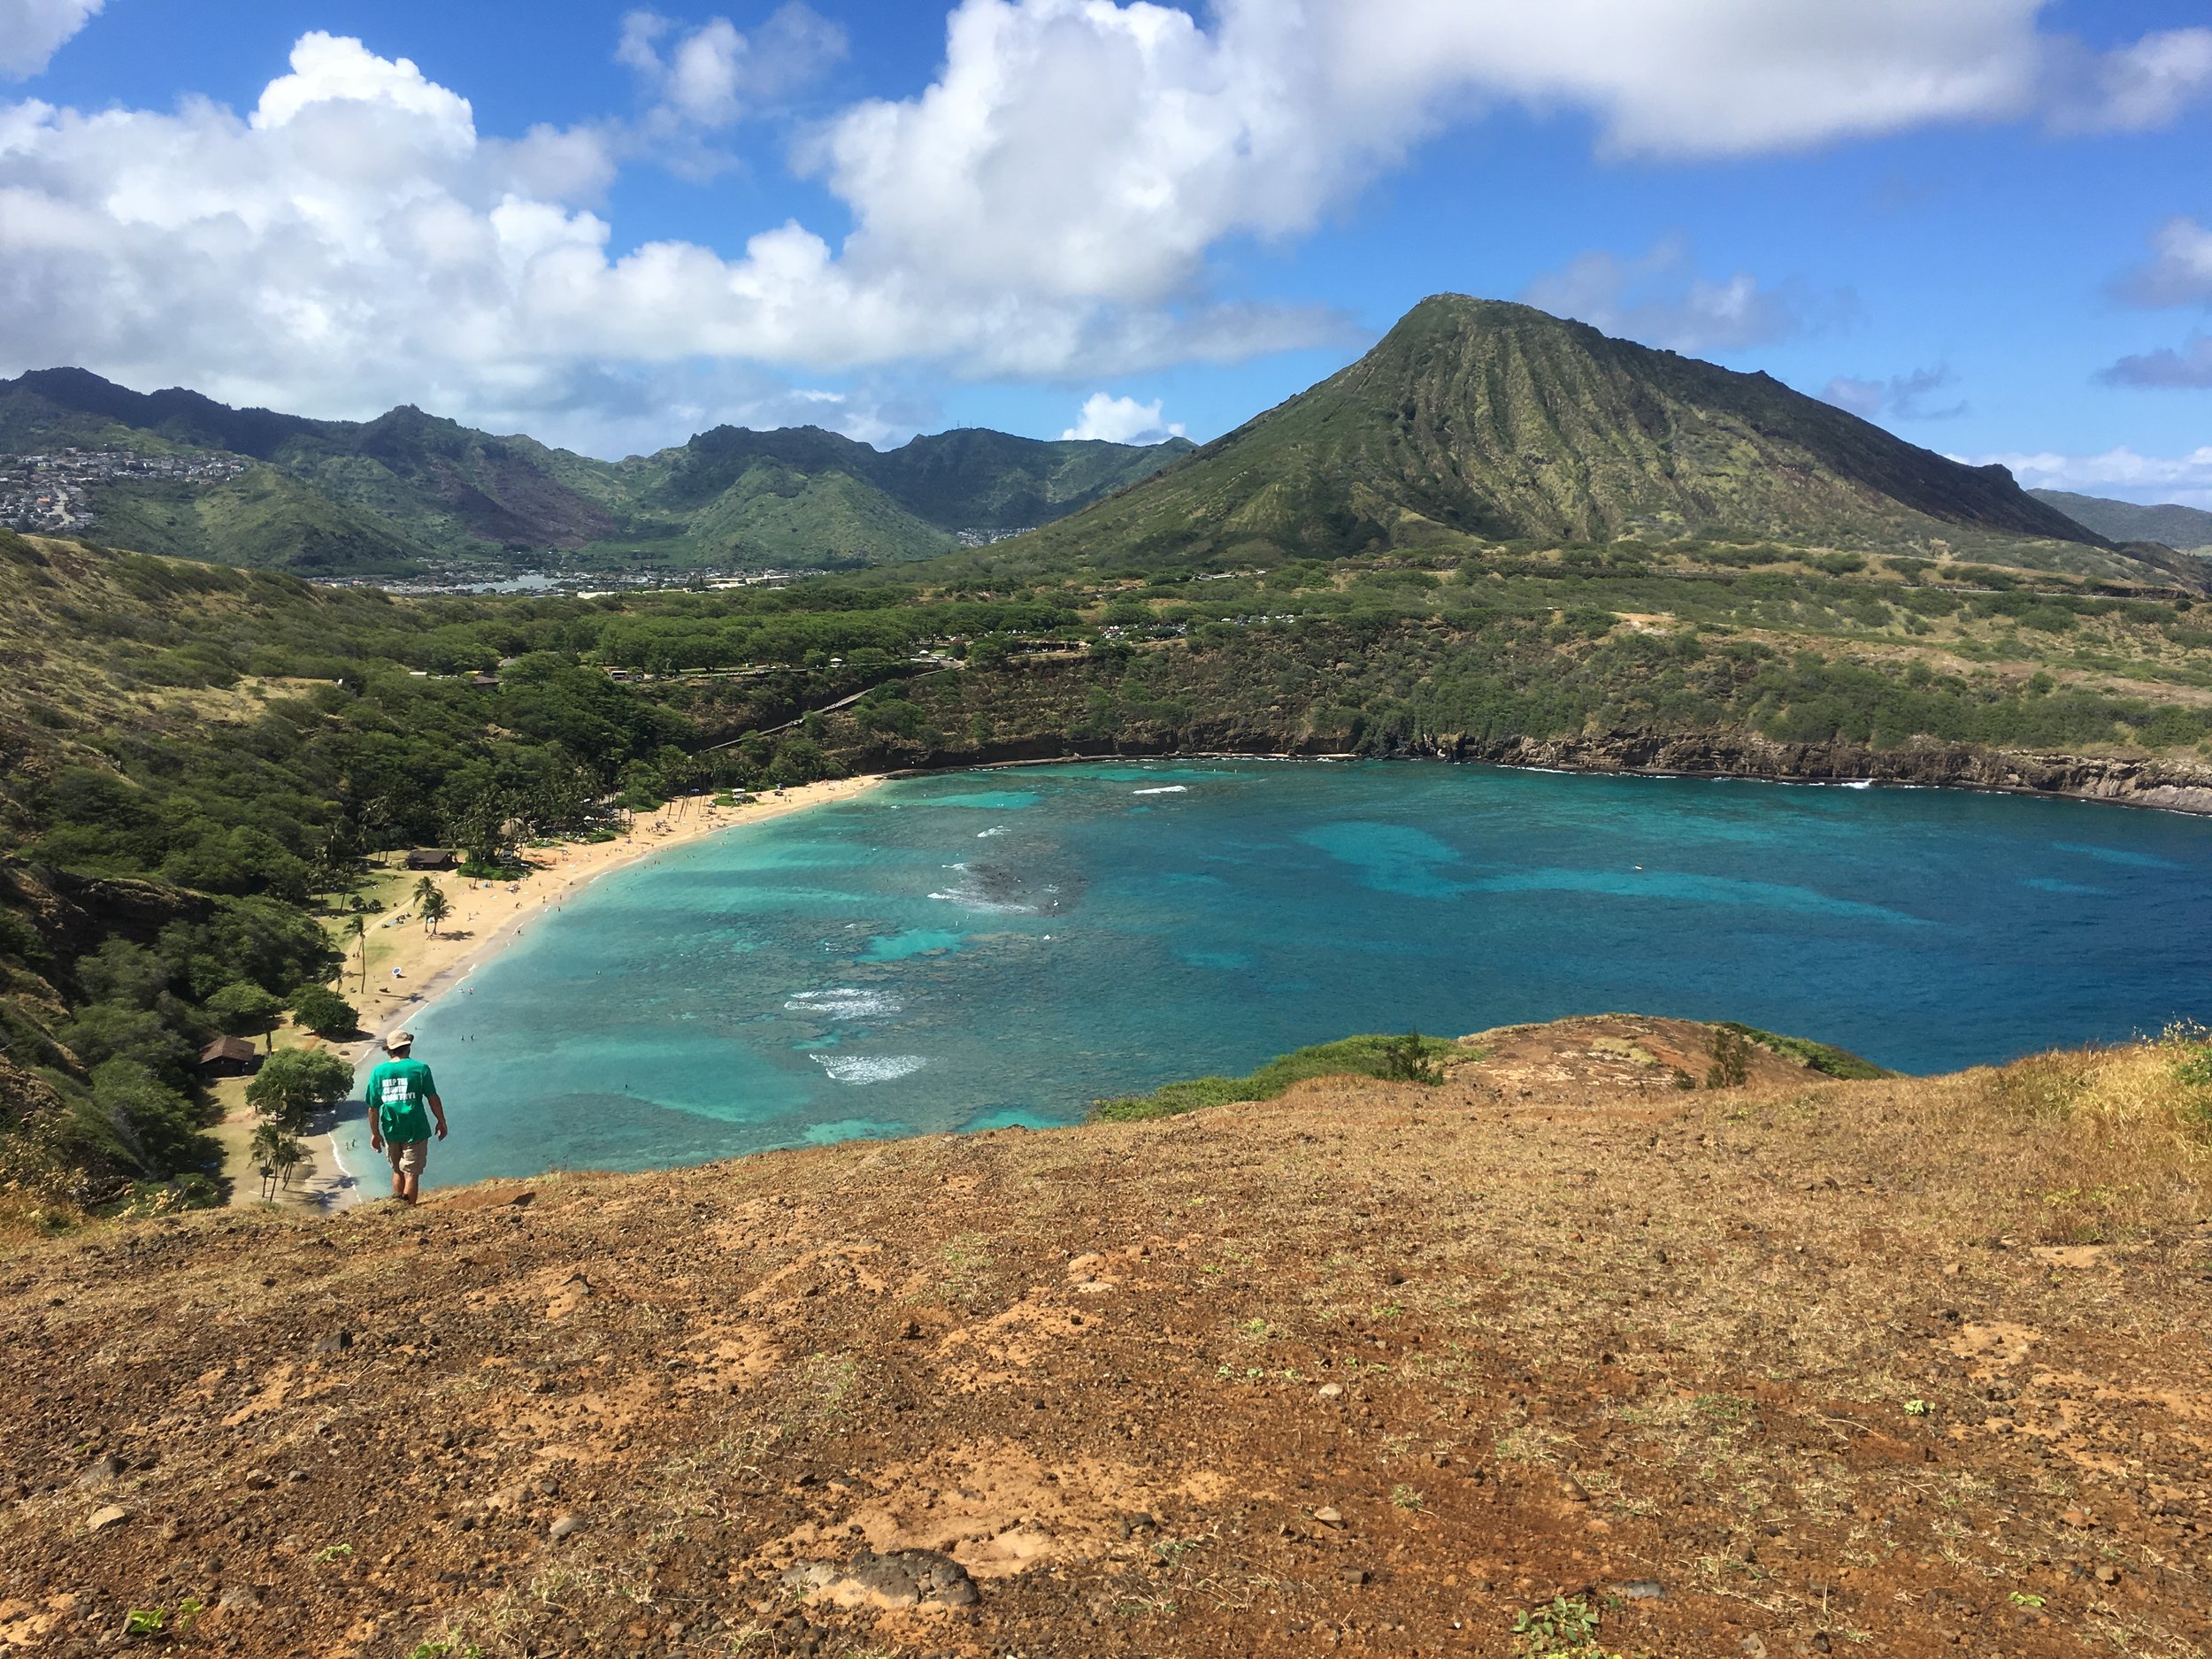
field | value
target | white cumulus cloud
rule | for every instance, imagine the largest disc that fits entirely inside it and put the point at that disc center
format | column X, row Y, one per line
column 2121, row 472
column 2131, row 89
column 2178, row 274
column 1111, row 419
column 713, row 75
column 1660, row 298
column 1049, row 207
column 1078, row 146
column 1903, row 397
column 2179, row 270
column 2188, row 366
column 355, row 242
column 32, row 31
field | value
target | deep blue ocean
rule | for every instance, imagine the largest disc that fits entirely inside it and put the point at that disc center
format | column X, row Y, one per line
column 977, row 949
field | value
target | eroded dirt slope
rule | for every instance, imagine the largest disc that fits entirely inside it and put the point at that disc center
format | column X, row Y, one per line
column 1797, row 1367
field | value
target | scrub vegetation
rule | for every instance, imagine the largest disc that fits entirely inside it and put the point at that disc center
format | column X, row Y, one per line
column 1412, row 1058
column 202, row 760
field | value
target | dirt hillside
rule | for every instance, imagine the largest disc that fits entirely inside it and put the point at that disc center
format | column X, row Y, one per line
column 1898, row 1367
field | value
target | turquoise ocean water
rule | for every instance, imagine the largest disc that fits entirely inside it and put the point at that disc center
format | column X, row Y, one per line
column 979, row 949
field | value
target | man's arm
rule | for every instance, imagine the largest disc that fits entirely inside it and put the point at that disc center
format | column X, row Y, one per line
column 376, row 1118
column 437, row 1111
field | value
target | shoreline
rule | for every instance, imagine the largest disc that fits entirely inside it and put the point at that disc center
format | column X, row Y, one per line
column 1949, row 770
column 432, row 965
column 339, row 1187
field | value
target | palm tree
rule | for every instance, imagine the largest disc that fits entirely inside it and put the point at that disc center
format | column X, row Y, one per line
column 360, row 931
column 436, row 908
column 426, row 890
column 276, row 1153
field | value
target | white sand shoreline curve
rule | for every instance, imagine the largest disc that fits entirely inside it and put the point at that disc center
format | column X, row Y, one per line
column 432, row 965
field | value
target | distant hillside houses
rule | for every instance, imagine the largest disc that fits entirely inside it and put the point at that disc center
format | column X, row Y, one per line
column 52, row 494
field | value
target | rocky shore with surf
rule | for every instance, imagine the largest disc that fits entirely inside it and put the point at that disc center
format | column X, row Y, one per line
column 2169, row 785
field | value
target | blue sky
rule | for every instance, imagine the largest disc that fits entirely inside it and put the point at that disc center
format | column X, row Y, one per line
column 1982, row 223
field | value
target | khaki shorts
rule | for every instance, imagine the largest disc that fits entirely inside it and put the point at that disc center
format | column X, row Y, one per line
column 408, row 1157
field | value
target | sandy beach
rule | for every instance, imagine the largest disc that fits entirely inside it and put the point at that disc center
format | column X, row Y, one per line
column 408, row 966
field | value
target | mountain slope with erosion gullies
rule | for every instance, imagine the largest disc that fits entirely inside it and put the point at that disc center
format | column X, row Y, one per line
column 335, row 498
column 1476, row 421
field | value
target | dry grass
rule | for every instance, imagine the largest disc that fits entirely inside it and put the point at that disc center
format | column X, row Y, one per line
column 1820, row 1357
column 2087, row 1146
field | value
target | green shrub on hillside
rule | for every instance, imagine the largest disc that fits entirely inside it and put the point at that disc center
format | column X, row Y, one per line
column 1412, row 1058
column 1822, row 1058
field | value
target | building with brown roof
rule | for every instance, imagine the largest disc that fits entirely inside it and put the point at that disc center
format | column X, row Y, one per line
column 230, row 1057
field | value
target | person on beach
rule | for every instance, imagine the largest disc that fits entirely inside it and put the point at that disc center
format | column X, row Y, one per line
column 402, row 1099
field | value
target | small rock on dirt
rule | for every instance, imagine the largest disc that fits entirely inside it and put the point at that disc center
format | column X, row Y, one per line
column 106, row 1516
column 564, row 1526
column 1640, row 1590
column 902, row 1579
column 1330, row 1390
column 1328, row 1516
column 102, row 1470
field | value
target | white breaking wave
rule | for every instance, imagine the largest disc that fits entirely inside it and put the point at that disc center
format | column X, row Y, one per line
column 1174, row 788
column 870, row 1069
column 971, row 901
column 985, row 835
column 845, row 1003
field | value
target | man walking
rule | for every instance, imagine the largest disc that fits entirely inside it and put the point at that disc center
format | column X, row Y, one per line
column 399, row 1126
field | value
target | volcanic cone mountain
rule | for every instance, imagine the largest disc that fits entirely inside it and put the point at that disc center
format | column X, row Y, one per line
column 1476, row 419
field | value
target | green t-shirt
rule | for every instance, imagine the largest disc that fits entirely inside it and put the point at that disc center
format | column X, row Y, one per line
column 399, row 1094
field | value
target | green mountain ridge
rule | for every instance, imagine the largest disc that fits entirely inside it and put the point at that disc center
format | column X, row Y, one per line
column 1476, row 421
column 408, row 488
column 865, row 505
column 1472, row 423
column 2184, row 529
column 265, row 519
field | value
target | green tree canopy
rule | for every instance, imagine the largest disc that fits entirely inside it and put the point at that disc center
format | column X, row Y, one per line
column 324, row 1012
column 242, row 1008
column 291, row 1085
